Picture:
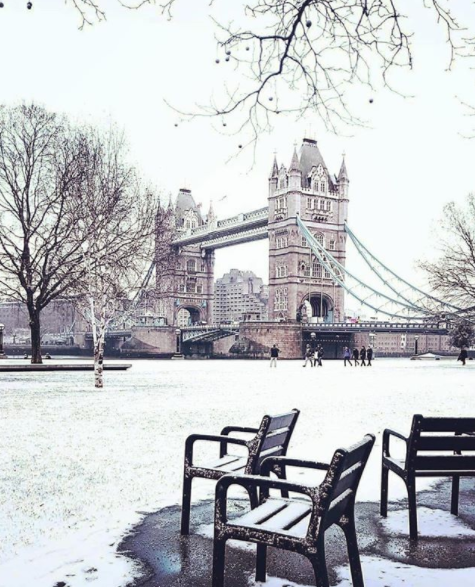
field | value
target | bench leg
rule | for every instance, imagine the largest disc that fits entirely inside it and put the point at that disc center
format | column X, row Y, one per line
column 219, row 552
column 186, row 505
column 281, row 473
column 261, row 562
column 253, row 497
column 353, row 553
column 411, row 493
column 319, row 564
column 384, row 491
column 454, row 508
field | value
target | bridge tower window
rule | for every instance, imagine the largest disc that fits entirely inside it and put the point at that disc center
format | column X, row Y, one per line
column 316, row 269
column 191, row 265
column 191, row 285
column 320, row 238
column 331, row 245
column 281, row 271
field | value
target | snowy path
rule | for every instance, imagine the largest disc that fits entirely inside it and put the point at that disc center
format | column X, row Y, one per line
column 79, row 466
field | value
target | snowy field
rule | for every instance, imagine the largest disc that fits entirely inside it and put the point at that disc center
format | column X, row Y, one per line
column 79, row 467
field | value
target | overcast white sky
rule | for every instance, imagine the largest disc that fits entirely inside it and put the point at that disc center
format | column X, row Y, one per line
column 403, row 168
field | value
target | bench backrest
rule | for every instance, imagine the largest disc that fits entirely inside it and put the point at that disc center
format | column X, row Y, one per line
column 451, row 436
column 272, row 439
column 337, row 493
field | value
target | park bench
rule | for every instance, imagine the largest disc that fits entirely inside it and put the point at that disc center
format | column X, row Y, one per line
column 295, row 524
column 433, row 449
column 270, row 439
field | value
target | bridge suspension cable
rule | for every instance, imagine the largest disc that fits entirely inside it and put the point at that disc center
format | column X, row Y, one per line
column 401, row 288
column 366, row 295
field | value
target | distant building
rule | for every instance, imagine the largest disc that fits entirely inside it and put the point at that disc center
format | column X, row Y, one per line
column 59, row 317
column 240, row 296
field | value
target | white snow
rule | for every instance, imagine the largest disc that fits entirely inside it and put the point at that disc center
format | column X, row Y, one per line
column 431, row 523
column 379, row 572
column 79, row 466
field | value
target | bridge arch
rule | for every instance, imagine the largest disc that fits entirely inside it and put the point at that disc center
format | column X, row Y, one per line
column 321, row 306
column 188, row 315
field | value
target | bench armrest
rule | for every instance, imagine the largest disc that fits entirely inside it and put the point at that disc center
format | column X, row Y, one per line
column 250, row 482
column 386, row 436
column 270, row 462
column 190, row 441
column 228, row 429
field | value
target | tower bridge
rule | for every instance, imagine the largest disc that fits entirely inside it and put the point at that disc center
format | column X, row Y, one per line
column 306, row 224
column 298, row 282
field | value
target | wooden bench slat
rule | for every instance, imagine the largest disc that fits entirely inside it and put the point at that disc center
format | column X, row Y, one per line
column 355, row 456
column 273, row 440
column 347, row 480
column 446, row 443
column 226, row 463
column 283, row 421
column 448, row 425
column 440, row 463
column 261, row 513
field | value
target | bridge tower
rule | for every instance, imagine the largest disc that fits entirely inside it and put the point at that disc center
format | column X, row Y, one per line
column 188, row 298
column 298, row 284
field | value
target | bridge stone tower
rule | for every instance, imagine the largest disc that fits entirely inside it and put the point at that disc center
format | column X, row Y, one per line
column 189, row 291
column 298, row 284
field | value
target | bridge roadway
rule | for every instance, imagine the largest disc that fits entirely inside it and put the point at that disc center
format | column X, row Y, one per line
column 211, row 332
column 242, row 228
column 215, row 331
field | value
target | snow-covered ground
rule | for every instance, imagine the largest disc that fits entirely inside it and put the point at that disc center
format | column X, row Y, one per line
column 79, row 467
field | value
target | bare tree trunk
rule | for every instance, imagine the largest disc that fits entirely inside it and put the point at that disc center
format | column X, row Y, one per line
column 99, row 360
column 98, row 335
column 35, row 330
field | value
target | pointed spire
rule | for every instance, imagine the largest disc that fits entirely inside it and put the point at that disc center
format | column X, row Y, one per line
column 211, row 214
column 275, row 169
column 295, row 163
column 343, row 175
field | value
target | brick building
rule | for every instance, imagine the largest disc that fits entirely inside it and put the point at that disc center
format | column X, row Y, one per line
column 240, row 295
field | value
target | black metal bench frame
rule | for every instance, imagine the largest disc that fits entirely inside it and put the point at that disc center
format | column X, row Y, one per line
column 459, row 436
column 270, row 439
column 331, row 502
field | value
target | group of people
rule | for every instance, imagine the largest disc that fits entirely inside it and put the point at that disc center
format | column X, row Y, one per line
column 361, row 357
column 313, row 355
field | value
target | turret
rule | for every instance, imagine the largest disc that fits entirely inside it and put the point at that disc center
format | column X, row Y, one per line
column 343, row 181
column 295, row 172
column 273, row 177
column 211, row 218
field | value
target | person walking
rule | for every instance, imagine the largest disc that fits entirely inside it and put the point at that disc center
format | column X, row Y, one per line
column 463, row 355
column 308, row 356
column 320, row 354
column 347, row 356
column 356, row 356
column 274, row 355
column 363, row 356
column 369, row 355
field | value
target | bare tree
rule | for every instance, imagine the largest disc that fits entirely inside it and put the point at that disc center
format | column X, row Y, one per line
column 299, row 56
column 119, row 248
column 40, row 176
column 453, row 274
column 462, row 335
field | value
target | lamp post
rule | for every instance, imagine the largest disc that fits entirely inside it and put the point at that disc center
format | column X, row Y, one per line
column 372, row 336
column 178, row 341
column 416, row 344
